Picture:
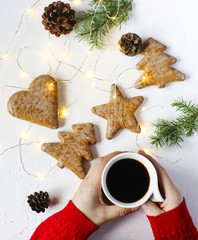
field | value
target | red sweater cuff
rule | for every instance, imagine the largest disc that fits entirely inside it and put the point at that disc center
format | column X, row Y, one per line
column 174, row 224
column 70, row 223
column 79, row 219
column 172, row 216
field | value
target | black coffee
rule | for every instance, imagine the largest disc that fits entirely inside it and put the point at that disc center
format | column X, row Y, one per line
column 127, row 180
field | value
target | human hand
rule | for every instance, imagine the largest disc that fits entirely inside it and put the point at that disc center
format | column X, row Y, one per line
column 88, row 197
column 173, row 196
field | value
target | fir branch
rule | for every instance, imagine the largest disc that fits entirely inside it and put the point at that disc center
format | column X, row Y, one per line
column 94, row 23
column 172, row 132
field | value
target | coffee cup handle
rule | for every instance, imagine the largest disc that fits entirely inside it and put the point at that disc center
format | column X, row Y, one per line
column 156, row 196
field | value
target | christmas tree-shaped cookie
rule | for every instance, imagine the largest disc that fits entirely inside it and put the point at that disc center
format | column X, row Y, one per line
column 119, row 112
column 156, row 66
column 74, row 146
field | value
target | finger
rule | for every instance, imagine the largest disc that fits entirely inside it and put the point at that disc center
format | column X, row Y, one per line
column 166, row 185
column 151, row 208
column 105, row 159
column 174, row 200
column 154, row 162
column 96, row 169
column 158, row 168
column 114, row 211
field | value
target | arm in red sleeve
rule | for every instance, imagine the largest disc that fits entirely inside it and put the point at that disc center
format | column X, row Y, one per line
column 175, row 224
column 68, row 224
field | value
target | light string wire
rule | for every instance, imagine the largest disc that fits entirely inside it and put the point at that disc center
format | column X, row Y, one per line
column 38, row 175
column 148, row 151
column 42, row 175
column 78, row 70
column 89, row 74
column 65, row 45
column 20, row 66
column 20, row 144
column 113, row 17
column 17, row 30
column 97, row 5
column 53, row 72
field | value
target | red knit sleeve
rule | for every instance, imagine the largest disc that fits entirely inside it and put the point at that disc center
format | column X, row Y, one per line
column 175, row 224
column 68, row 224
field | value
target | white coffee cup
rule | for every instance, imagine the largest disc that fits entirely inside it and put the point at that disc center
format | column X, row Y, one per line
column 153, row 191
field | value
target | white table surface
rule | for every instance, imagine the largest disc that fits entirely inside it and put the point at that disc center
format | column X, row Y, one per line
column 174, row 23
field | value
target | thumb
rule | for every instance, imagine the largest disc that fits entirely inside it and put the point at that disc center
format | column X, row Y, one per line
column 151, row 208
column 116, row 212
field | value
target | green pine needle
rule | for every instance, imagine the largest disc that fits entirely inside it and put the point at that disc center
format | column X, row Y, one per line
column 93, row 24
column 171, row 133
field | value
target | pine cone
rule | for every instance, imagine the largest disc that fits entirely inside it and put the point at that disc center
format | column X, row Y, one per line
column 58, row 18
column 39, row 201
column 130, row 44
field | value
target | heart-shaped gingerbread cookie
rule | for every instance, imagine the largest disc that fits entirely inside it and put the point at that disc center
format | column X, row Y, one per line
column 38, row 104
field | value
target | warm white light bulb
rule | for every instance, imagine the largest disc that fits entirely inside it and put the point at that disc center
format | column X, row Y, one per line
column 143, row 130
column 144, row 78
column 40, row 144
column 114, row 96
column 23, row 74
column 50, row 86
column 64, row 112
column 120, row 48
column 41, row 175
column 76, row 2
column 90, row 75
column 30, row 11
column 147, row 151
column 45, row 58
column 24, row 135
column 65, row 55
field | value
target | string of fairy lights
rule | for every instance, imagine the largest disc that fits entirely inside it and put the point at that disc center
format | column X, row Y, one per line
column 38, row 175
column 63, row 113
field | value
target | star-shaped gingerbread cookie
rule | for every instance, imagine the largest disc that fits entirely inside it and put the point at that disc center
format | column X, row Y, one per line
column 74, row 146
column 119, row 112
